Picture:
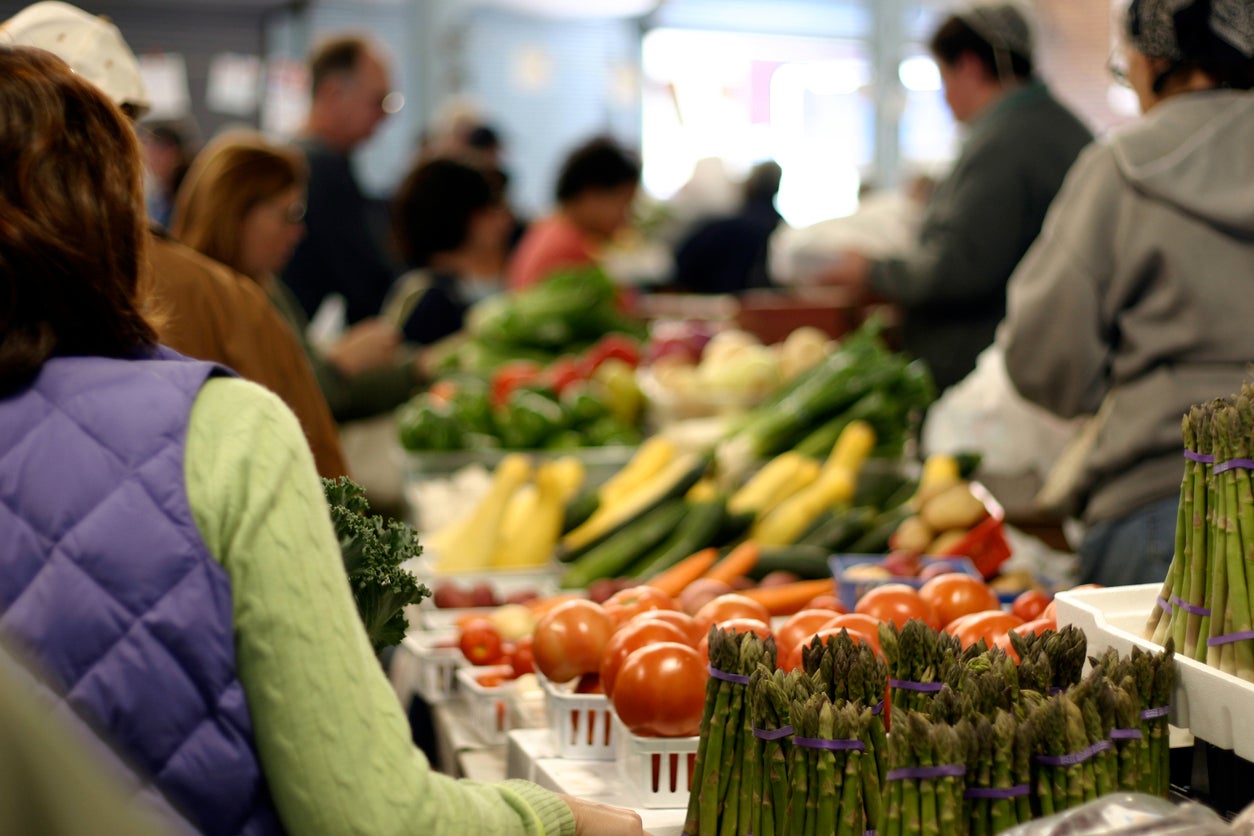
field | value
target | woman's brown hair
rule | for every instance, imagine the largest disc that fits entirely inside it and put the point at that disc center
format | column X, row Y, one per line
column 232, row 175
column 72, row 223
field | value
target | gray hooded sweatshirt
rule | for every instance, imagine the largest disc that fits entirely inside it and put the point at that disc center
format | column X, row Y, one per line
column 1138, row 297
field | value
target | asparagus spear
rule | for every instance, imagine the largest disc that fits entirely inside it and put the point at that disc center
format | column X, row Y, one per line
column 1156, row 625
column 702, row 817
column 1240, row 539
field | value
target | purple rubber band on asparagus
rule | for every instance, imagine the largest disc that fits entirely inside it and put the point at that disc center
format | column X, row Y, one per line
column 772, row 734
column 1163, row 604
column 1234, row 464
column 907, row 685
column 728, row 677
column 1189, row 608
column 1200, row 458
column 996, row 793
column 1230, row 638
column 878, row 708
column 920, row 772
column 1126, row 734
column 834, row 745
column 1055, row 691
column 1155, row 713
column 1075, row 757
column 868, row 833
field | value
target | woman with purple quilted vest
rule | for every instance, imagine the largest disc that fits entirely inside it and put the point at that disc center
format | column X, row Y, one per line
column 166, row 557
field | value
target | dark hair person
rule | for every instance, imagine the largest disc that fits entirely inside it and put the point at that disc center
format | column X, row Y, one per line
column 177, row 507
column 1135, row 303
column 595, row 190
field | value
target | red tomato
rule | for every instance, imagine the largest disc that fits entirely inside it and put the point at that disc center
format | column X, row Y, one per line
column 1051, row 611
column 625, row 604
column 521, row 657
column 630, row 637
column 571, row 639
column 660, row 691
column 617, row 346
column 792, row 659
column 799, row 626
column 826, row 602
column 952, row 595
column 562, row 373
column 858, row 622
column 1036, row 626
column 490, row 680
column 983, row 625
column 729, row 606
column 898, row 603
column 735, row 625
column 686, row 623
column 480, row 642
column 511, row 376
column 1031, row 605
column 589, row 683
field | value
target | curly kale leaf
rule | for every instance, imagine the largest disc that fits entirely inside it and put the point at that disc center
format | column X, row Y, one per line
column 373, row 552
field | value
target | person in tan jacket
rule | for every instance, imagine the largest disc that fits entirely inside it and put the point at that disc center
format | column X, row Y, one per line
column 210, row 312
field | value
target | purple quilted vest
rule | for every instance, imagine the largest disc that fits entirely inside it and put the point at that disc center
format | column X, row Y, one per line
column 106, row 582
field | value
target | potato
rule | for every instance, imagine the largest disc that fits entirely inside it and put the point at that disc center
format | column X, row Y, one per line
column 955, row 507
column 912, row 535
column 946, row 540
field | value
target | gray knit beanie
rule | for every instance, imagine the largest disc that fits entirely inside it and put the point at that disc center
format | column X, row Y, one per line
column 1182, row 30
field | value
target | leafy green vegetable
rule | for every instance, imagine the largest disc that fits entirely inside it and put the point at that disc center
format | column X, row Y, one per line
column 373, row 552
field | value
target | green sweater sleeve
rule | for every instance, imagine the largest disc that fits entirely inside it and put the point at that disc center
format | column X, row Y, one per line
column 332, row 738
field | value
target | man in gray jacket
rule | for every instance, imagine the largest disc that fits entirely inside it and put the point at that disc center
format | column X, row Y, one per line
column 1136, row 302
column 983, row 217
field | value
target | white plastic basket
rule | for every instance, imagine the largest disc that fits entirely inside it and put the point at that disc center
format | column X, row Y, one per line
column 488, row 707
column 658, row 769
column 425, row 665
column 580, row 723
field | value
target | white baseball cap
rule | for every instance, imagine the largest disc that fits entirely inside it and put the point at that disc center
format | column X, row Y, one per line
column 91, row 45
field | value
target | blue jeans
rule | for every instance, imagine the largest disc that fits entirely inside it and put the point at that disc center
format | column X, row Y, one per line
column 1134, row 548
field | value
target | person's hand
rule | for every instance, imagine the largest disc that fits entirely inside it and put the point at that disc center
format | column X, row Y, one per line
column 850, row 270
column 370, row 344
column 595, row 819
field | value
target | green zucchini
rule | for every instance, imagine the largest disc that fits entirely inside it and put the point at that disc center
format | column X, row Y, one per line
column 612, row 556
column 697, row 531
column 839, row 530
column 875, row 540
column 806, row 562
column 733, row 527
column 582, row 506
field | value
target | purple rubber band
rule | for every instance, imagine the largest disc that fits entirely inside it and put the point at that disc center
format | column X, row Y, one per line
column 1163, row 604
column 953, row 771
column 834, row 745
column 1187, row 607
column 1234, row 464
column 1155, row 713
column 1200, row 458
column 907, row 685
column 1055, row 691
column 1075, row 757
column 1017, row 791
column 1126, row 734
column 1230, row 638
column 868, row 833
column 728, row 677
column 772, row 734
column 878, row 708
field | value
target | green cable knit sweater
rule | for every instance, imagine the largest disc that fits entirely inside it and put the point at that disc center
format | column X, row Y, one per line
column 331, row 735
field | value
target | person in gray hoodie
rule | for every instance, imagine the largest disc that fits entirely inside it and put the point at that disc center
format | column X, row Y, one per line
column 1137, row 300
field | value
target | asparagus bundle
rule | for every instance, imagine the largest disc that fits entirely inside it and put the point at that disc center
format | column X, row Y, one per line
column 1051, row 661
column 771, row 694
column 827, row 792
column 920, row 661
column 1147, row 680
column 1205, row 602
column 714, row 803
column 926, row 779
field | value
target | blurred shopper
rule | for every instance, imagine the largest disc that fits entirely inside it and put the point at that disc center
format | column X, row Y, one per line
column 168, row 152
column 983, row 217
column 1136, row 301
column 453, row 228
column 209, row 312
column 729, row 254
column 243, row 204
column 595, row 190
column 212, row 637
column 351, row 88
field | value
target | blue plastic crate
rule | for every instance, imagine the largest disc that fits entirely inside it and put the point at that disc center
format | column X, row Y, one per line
column 849, row 590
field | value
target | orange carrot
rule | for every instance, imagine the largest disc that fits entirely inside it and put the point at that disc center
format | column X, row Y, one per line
column 672, row 581
column 738, row 562
column 789, row 598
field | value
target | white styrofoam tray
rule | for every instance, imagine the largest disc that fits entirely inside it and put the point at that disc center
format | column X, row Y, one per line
column 1213, row 705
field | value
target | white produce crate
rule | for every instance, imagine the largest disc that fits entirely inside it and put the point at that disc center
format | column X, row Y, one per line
column 580, row 723
column 658, row 769
column 1206, row 701
column 489, row 707
column 426, row 664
